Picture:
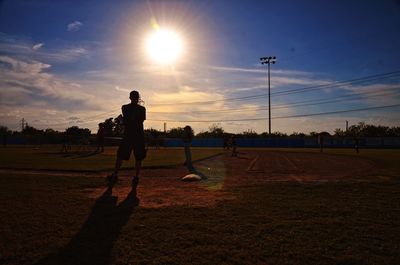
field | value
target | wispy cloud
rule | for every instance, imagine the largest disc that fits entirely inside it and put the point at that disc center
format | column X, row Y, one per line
column 64, row 55
column 122, row 89
column 74, row 26
column 25, row 82
column 258, row 70
column 26, row 50
column 37, row 46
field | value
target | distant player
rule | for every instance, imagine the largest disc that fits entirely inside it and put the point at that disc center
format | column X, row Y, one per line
column 133, row 116
column 321, row 142
column 356, row 144
column 226, row 143
column 234, row 145
column 100, row 138
column 187, row 141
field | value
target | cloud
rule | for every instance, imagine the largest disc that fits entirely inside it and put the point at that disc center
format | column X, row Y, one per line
column 37, row 46
column 24, row 49
column 25, row 82
column 74, row 26
column 122, row 89
column 70, row 54
column 261, row 70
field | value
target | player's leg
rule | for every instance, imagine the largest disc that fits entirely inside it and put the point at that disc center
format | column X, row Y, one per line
column 123, row 153
column 139, row 151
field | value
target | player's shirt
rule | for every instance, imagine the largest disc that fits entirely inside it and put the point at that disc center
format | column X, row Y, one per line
column 134, row 116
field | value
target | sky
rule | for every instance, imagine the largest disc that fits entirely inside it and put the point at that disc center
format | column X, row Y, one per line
column 73, row 63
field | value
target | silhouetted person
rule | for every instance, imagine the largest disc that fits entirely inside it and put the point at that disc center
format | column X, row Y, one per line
column 321, row 142
column 234, row 145
column 5, row 139
column 65, row 143
column 356, row 144
column 100, row 138
column 156, row 140
column 226, row 143
column 187, row 141
column 133, row 116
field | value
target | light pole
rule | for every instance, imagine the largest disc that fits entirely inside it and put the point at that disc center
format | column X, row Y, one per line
column 268, row 61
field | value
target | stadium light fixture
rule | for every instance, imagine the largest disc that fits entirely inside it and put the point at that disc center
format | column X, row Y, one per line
column 268, row 61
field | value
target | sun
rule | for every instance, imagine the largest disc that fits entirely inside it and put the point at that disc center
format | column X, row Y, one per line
column 164, row 46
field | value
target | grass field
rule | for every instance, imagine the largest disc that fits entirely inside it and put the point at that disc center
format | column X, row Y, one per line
column 50, row 157
column 50, row 219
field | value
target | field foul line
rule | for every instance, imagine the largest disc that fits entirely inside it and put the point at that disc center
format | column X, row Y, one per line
column 291, row 162
column 251, row 165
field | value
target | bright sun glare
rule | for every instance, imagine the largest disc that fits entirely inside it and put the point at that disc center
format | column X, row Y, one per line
column 164, row 46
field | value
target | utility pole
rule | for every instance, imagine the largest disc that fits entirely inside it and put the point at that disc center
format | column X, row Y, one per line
column 22, row 124
column 268, row 61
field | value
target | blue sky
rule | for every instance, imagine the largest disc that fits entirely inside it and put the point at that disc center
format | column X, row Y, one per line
column 65, row 63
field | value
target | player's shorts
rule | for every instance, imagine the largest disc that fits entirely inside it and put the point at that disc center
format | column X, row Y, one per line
column 126, row 147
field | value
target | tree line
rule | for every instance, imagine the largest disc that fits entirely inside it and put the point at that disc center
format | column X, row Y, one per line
column 112, row 128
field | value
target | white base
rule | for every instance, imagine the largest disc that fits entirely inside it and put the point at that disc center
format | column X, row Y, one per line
column 191, row 177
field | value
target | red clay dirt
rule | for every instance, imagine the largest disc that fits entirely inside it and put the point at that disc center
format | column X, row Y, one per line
column 164, row 188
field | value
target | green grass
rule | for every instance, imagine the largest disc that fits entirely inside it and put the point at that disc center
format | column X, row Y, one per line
column 50, row 157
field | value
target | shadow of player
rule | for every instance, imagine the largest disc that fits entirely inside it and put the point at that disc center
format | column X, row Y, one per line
column 94, row 242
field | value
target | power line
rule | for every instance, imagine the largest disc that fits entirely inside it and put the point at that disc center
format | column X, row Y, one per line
column 312, row 102
column 335, row 84
column 299, row 90
column 291, row 116
column 287, row 105
column 291, row 91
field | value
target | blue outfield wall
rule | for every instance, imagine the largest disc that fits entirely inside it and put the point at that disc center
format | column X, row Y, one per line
column 241, row 142
column 369, row 142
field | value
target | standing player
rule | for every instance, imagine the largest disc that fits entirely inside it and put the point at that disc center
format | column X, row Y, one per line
column 321, row 142
column 133, row 139
column 234, row 145
column 100, row 138
column 187, row 141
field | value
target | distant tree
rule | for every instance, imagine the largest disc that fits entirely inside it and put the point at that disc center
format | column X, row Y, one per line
column 29, row 130
column 51, row 136
column 175, row 132
column 4, row 134
column 216, row 130
column 118, row 129
column 249, row 133
column 339, row 132
column 273, row 134
column 394, row 132
column 154, row 137
column 203, row 134
column 375, row 131
column 112, row 127
column 297, row 134
column 4, row 130
column 109, row 126
column 32, row 135
column 78, row 135
column 324, row 133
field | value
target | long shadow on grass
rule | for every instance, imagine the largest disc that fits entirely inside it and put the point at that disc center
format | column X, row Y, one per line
column 94, row 242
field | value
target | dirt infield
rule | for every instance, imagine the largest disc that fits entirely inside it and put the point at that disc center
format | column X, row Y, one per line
column 163, row 187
